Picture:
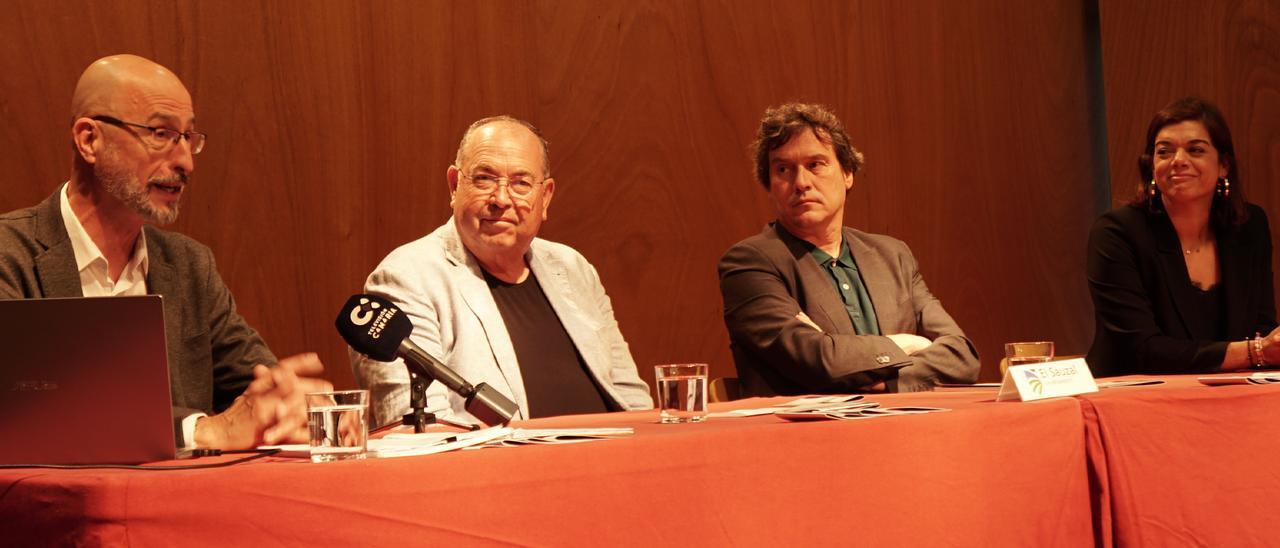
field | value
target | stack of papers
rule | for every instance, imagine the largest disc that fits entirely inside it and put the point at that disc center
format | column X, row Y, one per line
column 807, row 402
column 1256, row 378
column 428, row 443
column 869, row 412
column 547, row 436
column 1122, row 384
column 828, row 408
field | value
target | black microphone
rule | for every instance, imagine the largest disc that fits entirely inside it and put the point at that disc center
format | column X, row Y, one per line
column 373, row 326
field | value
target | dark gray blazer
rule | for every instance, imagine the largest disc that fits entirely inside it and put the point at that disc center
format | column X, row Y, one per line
column 212, row 350
column 770, row 277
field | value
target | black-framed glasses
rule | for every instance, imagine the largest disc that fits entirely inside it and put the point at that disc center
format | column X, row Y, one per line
column 160, row 138
column 519, row 186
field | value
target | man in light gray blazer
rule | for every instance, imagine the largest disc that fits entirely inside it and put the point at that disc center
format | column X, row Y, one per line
column 813, row 306
column 497, row 304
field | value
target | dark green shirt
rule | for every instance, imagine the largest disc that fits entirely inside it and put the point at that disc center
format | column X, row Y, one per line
column 848, row 283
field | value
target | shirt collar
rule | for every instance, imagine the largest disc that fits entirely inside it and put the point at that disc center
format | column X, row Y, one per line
column 845, row 259
column 87, row 252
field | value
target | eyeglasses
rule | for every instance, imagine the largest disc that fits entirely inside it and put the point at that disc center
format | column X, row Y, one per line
column 160, row 138
column 519, row 186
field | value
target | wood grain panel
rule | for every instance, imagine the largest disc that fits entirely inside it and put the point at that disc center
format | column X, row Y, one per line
column 332, row 124
column 1227, row 52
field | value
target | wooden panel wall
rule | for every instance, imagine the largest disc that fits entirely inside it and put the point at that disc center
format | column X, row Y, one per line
column 331, row 125
column 1226, row 52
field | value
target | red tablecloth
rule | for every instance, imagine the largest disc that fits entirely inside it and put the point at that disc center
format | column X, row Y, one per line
column 1184, row 464
column 984, row 473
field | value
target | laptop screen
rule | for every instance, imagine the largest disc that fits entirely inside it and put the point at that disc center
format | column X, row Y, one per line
column 84, row 381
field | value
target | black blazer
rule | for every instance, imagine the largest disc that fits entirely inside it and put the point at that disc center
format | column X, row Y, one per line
column 1142, row 293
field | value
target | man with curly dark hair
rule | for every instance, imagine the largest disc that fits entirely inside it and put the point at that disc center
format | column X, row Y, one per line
column 814, row 306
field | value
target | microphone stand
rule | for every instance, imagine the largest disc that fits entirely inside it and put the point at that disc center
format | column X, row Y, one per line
column 418, row 417
column 483, row 402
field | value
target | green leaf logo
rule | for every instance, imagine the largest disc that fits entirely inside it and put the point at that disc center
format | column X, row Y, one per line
column 1035, row 382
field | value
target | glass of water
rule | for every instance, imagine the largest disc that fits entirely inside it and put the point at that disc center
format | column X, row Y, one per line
column 1023, row 353
column 337, row 423
column 682, row 392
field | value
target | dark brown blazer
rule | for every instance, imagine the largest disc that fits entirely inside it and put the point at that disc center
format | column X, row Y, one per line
column 770, row 277
column 1142, row 293
column 211, row 349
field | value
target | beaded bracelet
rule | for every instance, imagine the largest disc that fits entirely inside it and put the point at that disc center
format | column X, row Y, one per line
column 1257, row 351
column 1248, row 347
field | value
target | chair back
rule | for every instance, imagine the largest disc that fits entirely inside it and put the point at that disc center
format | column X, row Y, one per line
column 724, row 389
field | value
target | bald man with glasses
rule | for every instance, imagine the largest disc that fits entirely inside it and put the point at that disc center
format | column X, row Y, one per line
column 134, row 145
column 498, row 304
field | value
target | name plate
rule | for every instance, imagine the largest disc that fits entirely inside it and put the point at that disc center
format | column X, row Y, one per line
column 1037, row 381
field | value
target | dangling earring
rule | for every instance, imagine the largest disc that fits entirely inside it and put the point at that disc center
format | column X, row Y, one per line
column 1224, row 187
column 1151, row 188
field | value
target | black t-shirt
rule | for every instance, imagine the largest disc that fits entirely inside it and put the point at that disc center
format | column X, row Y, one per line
column 556, row 379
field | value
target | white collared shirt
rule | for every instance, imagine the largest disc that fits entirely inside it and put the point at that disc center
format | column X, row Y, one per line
column 95, row 278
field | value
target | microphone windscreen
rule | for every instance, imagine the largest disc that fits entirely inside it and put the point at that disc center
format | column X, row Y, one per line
column 373, row 326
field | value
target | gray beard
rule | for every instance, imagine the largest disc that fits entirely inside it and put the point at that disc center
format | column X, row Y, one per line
column 124, row 186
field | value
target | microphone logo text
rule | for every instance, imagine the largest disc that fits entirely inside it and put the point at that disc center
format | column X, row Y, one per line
column 360, row 315
column 380, row 323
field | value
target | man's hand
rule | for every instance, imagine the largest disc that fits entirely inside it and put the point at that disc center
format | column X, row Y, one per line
column 807, row 320
column 271, row 410
column 910, row 343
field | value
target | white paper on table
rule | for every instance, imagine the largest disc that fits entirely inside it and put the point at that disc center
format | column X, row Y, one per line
column 812, row 416
column 1122, row 384
column 421, row 439
column 825, row 403
column 869, row 412
column 822, row 401
column 428, row 443
column 550, row 436
column 407, row 445
column 1256, row 378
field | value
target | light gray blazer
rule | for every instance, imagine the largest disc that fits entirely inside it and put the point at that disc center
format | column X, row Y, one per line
column 441, row 288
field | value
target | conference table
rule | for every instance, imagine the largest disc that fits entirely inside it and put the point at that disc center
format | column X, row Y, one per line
column 1177, row 463
column 1184, row 464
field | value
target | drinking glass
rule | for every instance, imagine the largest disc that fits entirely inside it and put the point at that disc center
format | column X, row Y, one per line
column 682, row 392
column 337, row 423
column 1022, row 353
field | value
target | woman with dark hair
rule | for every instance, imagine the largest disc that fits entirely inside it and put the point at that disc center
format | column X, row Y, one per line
column 1181, row 276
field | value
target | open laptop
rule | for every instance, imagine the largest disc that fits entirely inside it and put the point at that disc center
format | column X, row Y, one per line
column 84, row 381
